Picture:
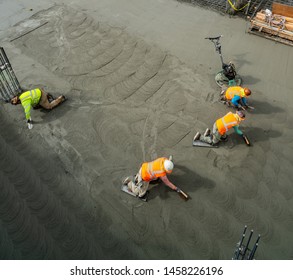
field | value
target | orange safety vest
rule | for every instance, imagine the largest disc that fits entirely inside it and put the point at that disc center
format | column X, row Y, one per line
column 154, row 169
column 227, row 122
column 232, row 91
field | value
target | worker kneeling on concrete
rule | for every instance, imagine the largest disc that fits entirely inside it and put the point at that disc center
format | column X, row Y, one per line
column 236, row 96
column 34, row 98
column 221, row 127
column 151, row 171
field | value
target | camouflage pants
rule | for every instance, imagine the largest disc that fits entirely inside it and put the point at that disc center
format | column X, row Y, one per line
column 214, row 138
column 139, row 187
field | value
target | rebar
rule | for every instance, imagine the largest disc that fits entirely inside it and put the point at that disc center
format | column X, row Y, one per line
column 222, row 6
column 9, row 85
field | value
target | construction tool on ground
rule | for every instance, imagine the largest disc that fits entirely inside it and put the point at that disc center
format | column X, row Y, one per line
column 183, row 195
column 246, row 140
column 227, row 76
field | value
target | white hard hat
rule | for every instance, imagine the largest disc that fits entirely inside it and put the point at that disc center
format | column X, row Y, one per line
column 168, row 165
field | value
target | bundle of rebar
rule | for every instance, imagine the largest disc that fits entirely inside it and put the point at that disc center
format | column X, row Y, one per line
column 9, row 85
column 243, row 252
column 240, row 8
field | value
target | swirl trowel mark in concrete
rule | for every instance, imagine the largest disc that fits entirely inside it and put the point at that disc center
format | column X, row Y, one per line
column 130, row 102
column 43, row 213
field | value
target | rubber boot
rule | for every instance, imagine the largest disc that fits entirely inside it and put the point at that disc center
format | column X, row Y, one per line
column 196, row 136
column 207, row 132
column 126, row 181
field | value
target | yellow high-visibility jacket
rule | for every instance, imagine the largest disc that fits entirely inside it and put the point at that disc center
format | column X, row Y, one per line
column 30, row 99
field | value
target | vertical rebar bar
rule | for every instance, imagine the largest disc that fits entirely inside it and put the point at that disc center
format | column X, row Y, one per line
column 3, row 92
column 246, row 247
column 10, row 72
column 252, row 253
column 248, row 5
column 241, row 242
column 5, row 83
column 8, row 82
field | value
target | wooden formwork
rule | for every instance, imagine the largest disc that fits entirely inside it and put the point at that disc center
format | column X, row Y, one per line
column 277, row 27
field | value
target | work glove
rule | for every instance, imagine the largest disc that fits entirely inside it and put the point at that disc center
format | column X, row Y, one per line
column 178, row 190
column 29, row 123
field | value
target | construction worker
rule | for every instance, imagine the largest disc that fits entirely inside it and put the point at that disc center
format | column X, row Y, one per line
column 151, row 171
column 34, row 98
column 229, row 70
column 221, row 127
column 235, row 96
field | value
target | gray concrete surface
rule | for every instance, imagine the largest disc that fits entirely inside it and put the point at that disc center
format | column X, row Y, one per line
column 140, row 81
